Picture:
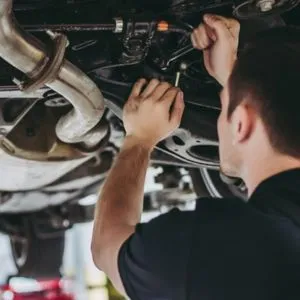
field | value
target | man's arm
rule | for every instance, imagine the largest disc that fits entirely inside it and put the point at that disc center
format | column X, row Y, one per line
column 150, row 115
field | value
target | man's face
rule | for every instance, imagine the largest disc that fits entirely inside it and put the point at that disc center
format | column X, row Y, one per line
column 229, row 156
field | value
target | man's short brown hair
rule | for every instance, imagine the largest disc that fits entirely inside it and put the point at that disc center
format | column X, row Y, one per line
column 267, row 74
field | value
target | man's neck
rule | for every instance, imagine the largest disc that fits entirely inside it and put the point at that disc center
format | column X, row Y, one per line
column 259, row 170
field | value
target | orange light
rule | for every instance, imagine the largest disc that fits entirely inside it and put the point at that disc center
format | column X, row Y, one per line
column 163, row 26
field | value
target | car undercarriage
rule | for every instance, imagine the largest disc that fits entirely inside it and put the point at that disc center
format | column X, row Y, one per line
column 66, row 71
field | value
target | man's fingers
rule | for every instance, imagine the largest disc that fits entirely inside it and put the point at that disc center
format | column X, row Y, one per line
column 169, row 97
column 200, row 38
column 193, row 39
column 137, row 88
column 218, row 25
column 210, row 33
column 177, row 110
column 234, row 27
column 150, row 88
column 232, row 24
column 160, row 90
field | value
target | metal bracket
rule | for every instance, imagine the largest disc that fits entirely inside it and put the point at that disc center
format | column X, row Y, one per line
column 137, row 40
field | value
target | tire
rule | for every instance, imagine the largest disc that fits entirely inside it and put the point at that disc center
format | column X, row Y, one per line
column 36, row 257
column 208, row 183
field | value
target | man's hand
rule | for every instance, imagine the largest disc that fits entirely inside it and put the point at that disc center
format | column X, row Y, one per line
column 218, row 37
column 152, row 112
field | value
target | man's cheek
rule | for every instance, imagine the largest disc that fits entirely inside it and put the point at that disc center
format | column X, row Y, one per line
column 221, row 127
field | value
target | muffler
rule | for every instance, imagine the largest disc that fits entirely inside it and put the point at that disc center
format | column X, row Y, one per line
column 29, row 55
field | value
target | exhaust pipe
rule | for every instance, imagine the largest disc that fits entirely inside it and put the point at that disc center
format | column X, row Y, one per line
column 29, row 55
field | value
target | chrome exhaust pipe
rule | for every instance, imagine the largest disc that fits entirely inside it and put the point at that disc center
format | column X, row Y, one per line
column 29, row 55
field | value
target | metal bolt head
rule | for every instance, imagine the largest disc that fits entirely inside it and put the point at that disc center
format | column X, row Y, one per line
column 66, row 223
column 183, row 66
column 265, row 5
column 119, row 25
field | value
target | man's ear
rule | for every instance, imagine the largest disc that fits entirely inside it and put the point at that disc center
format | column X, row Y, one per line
column 242, row 123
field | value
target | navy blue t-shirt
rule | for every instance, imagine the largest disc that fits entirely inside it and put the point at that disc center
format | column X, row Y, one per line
column 224, row 250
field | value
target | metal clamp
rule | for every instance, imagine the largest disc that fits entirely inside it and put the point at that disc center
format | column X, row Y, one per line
column 49, row 72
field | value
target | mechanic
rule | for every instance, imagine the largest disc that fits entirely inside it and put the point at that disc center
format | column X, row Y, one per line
column 226, row 248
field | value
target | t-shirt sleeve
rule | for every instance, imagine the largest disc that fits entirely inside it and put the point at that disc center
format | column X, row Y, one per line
column 153, row 261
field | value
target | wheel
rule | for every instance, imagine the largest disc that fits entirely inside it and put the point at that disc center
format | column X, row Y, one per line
column 209, row 183
column 36, row 257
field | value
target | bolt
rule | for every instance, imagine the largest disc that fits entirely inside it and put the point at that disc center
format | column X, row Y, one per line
column 51, row 34
column 183, row 66
column 265, row 5
column 66, row 223
column 19, row 83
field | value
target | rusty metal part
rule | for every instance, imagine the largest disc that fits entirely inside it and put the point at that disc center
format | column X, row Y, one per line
column 29, row 55
column 51, row 69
